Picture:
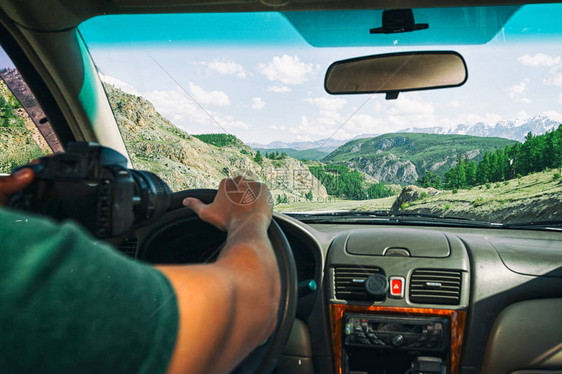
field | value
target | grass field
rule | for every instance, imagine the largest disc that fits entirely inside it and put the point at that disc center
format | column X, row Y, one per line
column 531, row 198
column 335, row 204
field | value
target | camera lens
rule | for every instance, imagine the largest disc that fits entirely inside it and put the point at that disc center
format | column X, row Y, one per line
column 153, row 196
column 92, row 185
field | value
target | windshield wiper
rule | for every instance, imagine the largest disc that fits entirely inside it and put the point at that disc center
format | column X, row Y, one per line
column 373, row 214
column 428, row 215
column 555, row 225
column 383, row 216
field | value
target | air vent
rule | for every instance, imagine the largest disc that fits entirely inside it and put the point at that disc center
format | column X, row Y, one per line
column 431, row 286
column 350, row 282
column 129, row 246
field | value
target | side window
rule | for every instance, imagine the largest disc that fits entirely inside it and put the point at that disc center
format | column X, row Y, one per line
column 25, row 132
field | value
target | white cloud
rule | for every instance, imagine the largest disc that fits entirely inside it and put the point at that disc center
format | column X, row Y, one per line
column 521, row 114
column 227, row 68
column 228, row 122
column 326, row 123
column 257, row 103
column 560, row 98
column 182, row 111
column 517, row 91
column 176, row 106
column 323, row 127
column 333, row 114
column 410, row 111
column 303, row 138
column 407, row 106
column 217, row 98
column 367, row 124
column 454, row 104
column 472, row 118
column 555, row 76
column 407, row 111
column 279, row 89
column 327, row 103
column 119, row 84
column 288, row 70
column 554, row 63
column 320, row 127
column 275, row 127
column 540, row 59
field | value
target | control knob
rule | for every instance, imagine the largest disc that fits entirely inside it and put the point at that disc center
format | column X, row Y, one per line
column 376, row 285
column 397, row 340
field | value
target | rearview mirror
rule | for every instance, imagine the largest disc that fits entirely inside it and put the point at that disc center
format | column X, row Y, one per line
column 396, row 72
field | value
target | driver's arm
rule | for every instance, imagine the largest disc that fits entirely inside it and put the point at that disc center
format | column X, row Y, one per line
column 227, row 308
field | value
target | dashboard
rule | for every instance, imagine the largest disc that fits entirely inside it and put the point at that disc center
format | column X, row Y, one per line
column 401, row 299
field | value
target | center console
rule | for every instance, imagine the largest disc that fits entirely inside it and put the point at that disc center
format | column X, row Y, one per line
column 397, row 303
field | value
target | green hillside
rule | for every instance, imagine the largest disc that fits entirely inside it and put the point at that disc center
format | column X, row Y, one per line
column 402, row 158
column 305, row 154
column 18, row 145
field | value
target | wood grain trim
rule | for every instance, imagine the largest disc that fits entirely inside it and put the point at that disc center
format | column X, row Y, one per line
column 457, row 318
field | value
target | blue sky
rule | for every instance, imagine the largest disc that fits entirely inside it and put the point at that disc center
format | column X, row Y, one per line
column 263, row 82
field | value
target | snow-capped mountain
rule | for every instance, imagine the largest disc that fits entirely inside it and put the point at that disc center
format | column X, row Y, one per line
column 326, row 145
column 515, row 129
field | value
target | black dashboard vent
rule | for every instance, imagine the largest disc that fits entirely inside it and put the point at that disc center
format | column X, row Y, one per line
column 129, row 246
column 432, row 286
column 350, row 282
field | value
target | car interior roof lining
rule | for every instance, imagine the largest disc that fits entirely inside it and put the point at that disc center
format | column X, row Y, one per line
column 65, row 14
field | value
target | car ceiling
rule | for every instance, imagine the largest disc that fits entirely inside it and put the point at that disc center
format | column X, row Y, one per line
column 65, row 14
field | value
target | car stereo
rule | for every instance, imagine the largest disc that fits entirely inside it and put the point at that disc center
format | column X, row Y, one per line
column 422, row 334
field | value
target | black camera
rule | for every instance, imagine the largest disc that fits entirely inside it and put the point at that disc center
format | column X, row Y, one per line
column 92, row 185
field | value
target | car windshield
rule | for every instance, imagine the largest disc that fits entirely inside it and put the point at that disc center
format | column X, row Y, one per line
column 199, row 97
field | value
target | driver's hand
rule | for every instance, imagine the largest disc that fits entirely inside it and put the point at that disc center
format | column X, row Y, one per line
column 14, row 183
column 237, row 200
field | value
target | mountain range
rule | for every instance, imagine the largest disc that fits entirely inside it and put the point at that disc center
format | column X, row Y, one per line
column 514, row 129
column 322, row 145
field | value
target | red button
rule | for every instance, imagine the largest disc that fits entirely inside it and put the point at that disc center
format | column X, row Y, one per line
column 397, row 286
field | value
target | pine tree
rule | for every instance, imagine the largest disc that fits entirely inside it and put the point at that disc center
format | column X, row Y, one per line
column 471, row 173
column 536, row 154
column 258, row 158
column 429, row 180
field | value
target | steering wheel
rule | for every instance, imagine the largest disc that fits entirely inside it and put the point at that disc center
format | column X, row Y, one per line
column 264, row 358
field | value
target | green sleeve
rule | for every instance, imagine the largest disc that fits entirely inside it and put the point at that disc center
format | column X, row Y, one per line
column 69, row 304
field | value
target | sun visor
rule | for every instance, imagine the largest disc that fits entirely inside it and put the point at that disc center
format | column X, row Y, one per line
column 446, row 26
